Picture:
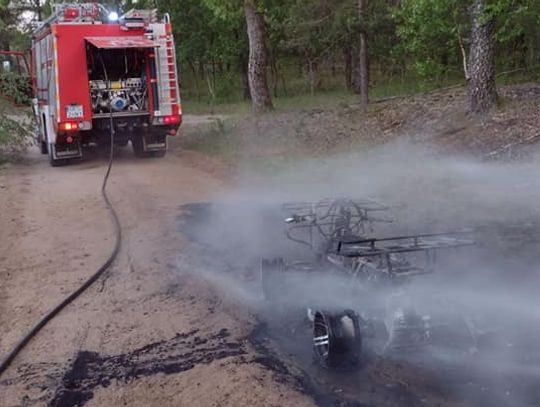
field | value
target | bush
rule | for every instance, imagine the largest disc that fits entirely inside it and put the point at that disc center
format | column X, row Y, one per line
column 227, row 86
column 16, row 88
column 429, row 69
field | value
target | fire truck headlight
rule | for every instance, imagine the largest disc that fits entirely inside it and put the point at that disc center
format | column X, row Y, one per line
column 113, row 16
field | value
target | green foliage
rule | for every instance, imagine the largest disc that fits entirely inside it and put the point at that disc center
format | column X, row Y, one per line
column 428, row 68
column 313, row 44
column 204, row 35
column 14, row 30
column 431, row 32
column 224, row 9
column 317, row 28
column 226, row 87
column 513, row 18
column 15, row 87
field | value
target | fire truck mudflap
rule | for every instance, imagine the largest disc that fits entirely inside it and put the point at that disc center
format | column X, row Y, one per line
column 91, row 75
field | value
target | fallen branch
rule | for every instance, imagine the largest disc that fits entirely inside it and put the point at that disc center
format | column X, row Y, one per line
column 509, row 72
column 464, row 57
column 429, row 92
column 510, row 145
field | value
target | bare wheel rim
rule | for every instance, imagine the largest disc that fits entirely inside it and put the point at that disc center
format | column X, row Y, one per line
column 321, row 336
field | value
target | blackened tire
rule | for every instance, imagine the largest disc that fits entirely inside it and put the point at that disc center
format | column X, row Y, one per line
column 337, row 339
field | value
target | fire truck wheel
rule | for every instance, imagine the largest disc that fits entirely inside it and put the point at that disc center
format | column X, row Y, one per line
column 136, row 144
column 122, row 143
column 138, row 148
column 59, row 163
column 44, row 148
column 159, row 154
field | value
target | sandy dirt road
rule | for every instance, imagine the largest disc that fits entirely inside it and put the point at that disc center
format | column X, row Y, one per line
column 160, row 329
column 150, row 332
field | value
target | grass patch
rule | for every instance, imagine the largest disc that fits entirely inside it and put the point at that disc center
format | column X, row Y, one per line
column 208, row 108
column 322, row 99
column 294, row 91
column 213, row 139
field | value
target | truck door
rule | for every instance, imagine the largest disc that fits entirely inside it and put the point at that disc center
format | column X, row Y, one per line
column 15, row 78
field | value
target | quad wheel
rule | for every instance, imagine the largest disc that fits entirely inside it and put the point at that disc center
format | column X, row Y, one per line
column 337, row 340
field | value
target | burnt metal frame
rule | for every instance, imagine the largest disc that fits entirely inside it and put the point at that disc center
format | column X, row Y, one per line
column 307, row 216
column 428, row 244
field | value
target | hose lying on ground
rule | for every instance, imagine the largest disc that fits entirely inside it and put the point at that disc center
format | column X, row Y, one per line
column 55, row 311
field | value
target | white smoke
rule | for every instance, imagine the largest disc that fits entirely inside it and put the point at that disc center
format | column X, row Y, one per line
column 495, row 283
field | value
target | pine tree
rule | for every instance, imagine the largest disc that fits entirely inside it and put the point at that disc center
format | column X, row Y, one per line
column 482, row 92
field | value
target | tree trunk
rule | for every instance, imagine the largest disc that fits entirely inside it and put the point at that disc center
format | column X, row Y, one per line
column 244, row 61
column 38, row 10
column 258, row 83
column 348, row 68
column 195, row 79
column 275, row 74
column 363, row 57
column 482, row 92
column 464, row 59
column 283, row 84
column 311, row 73
column 210, row 84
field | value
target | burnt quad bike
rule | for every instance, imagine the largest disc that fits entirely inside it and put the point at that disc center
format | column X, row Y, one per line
column 376, row 273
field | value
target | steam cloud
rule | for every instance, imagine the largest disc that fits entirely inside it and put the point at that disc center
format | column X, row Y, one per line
column 496, row 283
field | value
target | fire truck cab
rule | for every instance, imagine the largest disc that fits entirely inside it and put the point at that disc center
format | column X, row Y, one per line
column 94, row 72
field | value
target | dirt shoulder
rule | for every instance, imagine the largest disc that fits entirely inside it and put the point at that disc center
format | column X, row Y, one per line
column 436, row 120
column 149, row 333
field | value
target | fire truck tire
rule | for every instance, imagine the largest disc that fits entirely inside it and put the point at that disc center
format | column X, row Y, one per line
column 57, row 162
column 159, row 154
column 138, row 148
column 122, row 143
column 136, row 144
column 44, row 148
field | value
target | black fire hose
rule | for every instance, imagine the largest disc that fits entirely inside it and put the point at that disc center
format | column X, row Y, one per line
column 55, row 311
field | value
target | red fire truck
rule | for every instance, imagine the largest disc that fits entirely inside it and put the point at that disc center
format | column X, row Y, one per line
column 94, row 72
